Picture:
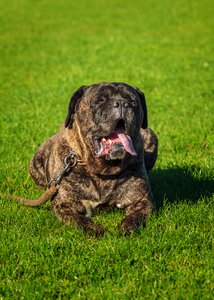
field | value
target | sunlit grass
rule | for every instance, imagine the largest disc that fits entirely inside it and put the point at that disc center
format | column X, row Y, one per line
column 48, row 49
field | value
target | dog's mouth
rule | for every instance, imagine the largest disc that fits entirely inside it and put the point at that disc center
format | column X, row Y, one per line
column 116, row 144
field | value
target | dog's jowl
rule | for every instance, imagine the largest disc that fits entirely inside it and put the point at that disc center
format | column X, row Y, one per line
column 107, row 129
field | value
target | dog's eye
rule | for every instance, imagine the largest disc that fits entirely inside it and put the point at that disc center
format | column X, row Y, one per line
column 133, row 102
column 100, row 101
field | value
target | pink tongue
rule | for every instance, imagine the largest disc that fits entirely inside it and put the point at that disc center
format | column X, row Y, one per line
column 127, row 143
column 118, row 136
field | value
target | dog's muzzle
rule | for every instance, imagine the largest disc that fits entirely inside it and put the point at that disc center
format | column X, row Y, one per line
column 116, row 144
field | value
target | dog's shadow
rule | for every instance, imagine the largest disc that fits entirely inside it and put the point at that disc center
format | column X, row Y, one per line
column 178, row 184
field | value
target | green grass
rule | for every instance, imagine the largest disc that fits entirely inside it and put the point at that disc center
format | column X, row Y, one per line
column 48, row 49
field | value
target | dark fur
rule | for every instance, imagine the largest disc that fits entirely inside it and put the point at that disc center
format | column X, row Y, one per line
column 93, row 112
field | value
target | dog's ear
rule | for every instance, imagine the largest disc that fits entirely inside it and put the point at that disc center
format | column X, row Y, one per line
column 72, row 108
column 143, row 104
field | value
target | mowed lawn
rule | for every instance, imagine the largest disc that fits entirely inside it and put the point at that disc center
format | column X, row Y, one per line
column 50, row 48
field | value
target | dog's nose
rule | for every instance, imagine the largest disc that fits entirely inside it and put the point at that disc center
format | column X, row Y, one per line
column 121, row 103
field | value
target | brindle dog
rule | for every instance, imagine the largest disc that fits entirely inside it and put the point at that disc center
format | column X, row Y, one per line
column 107, row 126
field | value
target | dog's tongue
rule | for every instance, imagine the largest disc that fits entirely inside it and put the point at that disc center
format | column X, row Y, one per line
column 127, row 143
column 118, row 136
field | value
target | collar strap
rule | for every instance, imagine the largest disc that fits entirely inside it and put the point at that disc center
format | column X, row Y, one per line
column 69, row 162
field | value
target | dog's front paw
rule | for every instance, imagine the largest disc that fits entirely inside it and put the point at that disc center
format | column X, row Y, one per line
column 91, row 228
column 95, row 229
column 131, row 222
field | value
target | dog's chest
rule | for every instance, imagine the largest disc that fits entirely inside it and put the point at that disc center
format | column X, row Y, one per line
column 93, row 191
column 99, row 196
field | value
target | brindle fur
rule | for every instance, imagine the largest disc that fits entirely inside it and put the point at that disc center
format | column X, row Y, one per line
column 99, row 183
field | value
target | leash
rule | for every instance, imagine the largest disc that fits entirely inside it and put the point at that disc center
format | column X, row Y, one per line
column 70, row 161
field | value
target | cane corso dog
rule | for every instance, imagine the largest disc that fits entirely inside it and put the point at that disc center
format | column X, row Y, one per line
column 107, row 128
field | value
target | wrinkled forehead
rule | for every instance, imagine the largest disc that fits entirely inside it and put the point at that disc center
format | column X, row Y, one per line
column 112, row 91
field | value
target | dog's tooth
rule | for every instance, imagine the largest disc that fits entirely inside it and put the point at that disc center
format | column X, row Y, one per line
column 100, row 150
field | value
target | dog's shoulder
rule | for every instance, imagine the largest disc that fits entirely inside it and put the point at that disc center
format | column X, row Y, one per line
column 150, row 142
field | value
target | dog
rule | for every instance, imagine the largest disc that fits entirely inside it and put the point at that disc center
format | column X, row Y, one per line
column 107, row 129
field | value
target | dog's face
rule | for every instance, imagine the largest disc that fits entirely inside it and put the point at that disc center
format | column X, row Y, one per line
column 109, row 117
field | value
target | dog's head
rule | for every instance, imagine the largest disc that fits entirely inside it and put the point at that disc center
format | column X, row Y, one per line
column 109, row 117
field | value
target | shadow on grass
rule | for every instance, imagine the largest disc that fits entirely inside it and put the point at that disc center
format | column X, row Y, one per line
column 177, row 184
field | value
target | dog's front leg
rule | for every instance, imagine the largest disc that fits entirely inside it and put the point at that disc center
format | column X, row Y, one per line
column 137, row 209
column 73, row 213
